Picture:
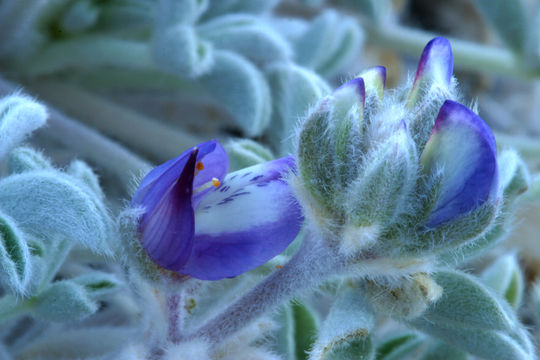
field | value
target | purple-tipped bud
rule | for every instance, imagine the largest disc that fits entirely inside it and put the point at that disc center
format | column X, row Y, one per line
column 435, row 66
column 462, row 147
column 201, row 223
column 374, row 80
column 350, row 98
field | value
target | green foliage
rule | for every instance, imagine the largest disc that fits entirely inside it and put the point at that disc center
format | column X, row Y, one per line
column 244, row 153
column 50, row 204
column 63, row 301
column 505, row 277
column 399, row 346
column 294, row 90
column 15, row 263
column 242, row 89
column 472, row 318
column 346, row 332
column 19, row 116
column 329, row 43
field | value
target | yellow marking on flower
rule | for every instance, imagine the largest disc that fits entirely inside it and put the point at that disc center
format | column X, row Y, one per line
column 214, row 182
column 199, row 166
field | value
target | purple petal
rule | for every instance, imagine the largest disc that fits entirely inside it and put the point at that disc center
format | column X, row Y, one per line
column 436, row 65
column 166, row 232
column 215, row 165
column 375, row 80
column 463, row 147
column 252, row 217
column 161, row 178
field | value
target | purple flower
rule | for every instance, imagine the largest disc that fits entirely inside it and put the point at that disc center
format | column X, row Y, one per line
column 198, row 221
column 462, row 147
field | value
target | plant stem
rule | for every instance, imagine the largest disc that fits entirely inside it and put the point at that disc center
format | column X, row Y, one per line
column 89, row 143
column 138, row 131
column 175, row 310
column 88, row 52
column 312, row 264
column 467, row 55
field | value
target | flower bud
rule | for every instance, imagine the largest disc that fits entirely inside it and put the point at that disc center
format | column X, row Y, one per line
column 407, row 300
column 400, row 175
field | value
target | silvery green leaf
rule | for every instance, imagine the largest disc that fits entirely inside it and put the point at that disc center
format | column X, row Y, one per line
column 80, row 170
column 247, row 35
column 240, row 87
column 98, row 284
column 375, row 10
column 173, row 12
column 509, row 20
column 505, row 277
column 489, row 344
column 80, row 16
column 346, row 332
column 73, row 343
column 305, row 328
column 48, row 264
column 399, row 346
column 245, row 152
column 179, row 50
column 49, row 204
column 63, row 301
column 441, row 351
column 19, row 116
column 294, row 90
column 331, row 41
column 15, row 262
column 467, row 304
column 23, row 159
column 221, row 7
column 298, row 330
column 126, row 15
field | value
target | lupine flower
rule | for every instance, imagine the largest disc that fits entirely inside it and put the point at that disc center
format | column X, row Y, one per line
column 198, row 221
column 413, row 165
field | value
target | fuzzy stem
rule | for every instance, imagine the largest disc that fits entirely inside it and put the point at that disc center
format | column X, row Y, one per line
column 467, row 55
column 88, row 52
column 313, row 263
column 136, row 130
column 175, row 309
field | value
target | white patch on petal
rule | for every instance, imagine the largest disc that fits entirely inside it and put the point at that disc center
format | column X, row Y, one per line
column 456, row 152
column 241, row 203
